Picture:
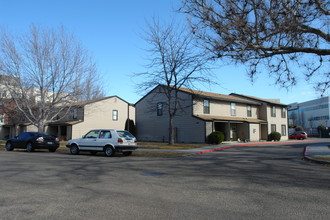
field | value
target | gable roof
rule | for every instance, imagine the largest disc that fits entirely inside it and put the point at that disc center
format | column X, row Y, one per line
column 208, row 95
column 258, row 99
column 217, row 96
column 82, row 103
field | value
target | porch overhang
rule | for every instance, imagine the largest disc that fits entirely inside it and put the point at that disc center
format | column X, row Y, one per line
column 230, row 119
column 64, row 123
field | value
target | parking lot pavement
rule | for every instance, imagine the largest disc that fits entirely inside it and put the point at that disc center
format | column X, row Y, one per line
column 237, row 183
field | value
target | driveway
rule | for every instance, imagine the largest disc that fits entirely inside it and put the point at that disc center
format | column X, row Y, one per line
column 252, row 182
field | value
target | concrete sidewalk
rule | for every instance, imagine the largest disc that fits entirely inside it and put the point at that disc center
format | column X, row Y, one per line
column 310, row 152
column 223, row 146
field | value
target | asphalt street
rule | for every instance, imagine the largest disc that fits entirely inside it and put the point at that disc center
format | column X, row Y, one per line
column 251, row 182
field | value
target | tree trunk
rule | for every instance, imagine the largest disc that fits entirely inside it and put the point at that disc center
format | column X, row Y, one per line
column 171, row 131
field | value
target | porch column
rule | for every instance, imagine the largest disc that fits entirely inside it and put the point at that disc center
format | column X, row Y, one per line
column 228, row 132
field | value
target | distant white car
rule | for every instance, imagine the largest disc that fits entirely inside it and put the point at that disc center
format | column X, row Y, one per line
column 108, row 141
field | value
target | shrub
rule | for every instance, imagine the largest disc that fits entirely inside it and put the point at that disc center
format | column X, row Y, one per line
column 215, row 137
column 298, row 128
column 321, row 128
column 274, row 136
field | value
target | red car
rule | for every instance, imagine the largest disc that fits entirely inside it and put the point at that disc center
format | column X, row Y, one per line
column 298, row 135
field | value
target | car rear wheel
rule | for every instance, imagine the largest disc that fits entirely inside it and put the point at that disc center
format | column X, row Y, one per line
column 109, row 151
column 9, row 146
column 127, row 153
column 74, row 149
column 29, row 147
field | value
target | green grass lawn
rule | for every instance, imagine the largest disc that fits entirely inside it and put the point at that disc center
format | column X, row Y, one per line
column 324, row 158
column 142, row 145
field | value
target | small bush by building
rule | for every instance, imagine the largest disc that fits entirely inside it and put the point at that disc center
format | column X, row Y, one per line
column 274, row 136
column 215, row 137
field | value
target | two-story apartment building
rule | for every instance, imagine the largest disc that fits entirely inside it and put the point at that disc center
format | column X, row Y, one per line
column 107, row 112
column 101, row 113
column 201, row 113
column 272, row 111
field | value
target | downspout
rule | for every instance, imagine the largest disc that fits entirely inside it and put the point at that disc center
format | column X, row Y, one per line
column 128, row 117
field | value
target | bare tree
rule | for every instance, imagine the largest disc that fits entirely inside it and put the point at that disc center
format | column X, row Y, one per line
column 290, row 37
column 174, row 62
column 45, row 70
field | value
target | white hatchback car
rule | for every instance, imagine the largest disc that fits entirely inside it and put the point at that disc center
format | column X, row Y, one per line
column 108, row 141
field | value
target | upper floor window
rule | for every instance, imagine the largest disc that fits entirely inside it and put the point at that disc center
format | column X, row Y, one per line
column 233, row 109
column 273, row 111
column 75, row 113
column 283, row 113
column 206, row 106
column 249, row 111
column 159, row 109
column 114, row 115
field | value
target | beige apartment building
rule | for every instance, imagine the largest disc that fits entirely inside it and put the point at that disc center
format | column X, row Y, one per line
column 107, row 112
column 102, row 113
column 200, row 113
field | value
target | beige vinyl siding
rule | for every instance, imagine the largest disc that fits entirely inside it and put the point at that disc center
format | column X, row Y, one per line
column 278, row 120
column 98, row 115
column 223, row 108
column 255, row 132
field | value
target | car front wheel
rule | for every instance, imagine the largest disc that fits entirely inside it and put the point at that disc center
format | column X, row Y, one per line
column 74, row 149
column 109, row 151
column 9, row 146
column 29, row 147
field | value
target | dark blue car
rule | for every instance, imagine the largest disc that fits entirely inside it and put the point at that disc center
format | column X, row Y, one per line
column 33, row 140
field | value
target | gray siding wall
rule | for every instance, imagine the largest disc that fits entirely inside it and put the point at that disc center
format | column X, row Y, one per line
column 151, row 127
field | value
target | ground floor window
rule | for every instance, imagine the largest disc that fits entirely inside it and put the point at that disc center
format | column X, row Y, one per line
column 273, row 127
column 283, row 130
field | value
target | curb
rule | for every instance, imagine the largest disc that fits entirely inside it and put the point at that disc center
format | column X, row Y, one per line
column 246, row 144
column 312, row 159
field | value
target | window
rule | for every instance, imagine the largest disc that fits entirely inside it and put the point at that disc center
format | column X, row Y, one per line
column 272, row 127
column 92, row 134
column 283, row 130
column 206, row 106
column 114, row 115
column 283, row 113
column 249, row 111
column 105, row 134
column 159, row 109
column 233, row 109
column 273, row 111
column 75, row 112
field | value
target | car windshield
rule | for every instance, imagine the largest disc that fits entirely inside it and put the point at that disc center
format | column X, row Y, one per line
column 125, row 134
column 92, row 134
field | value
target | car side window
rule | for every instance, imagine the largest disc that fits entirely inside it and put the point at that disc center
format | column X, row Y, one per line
column 92, row 134
column 105, row 134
